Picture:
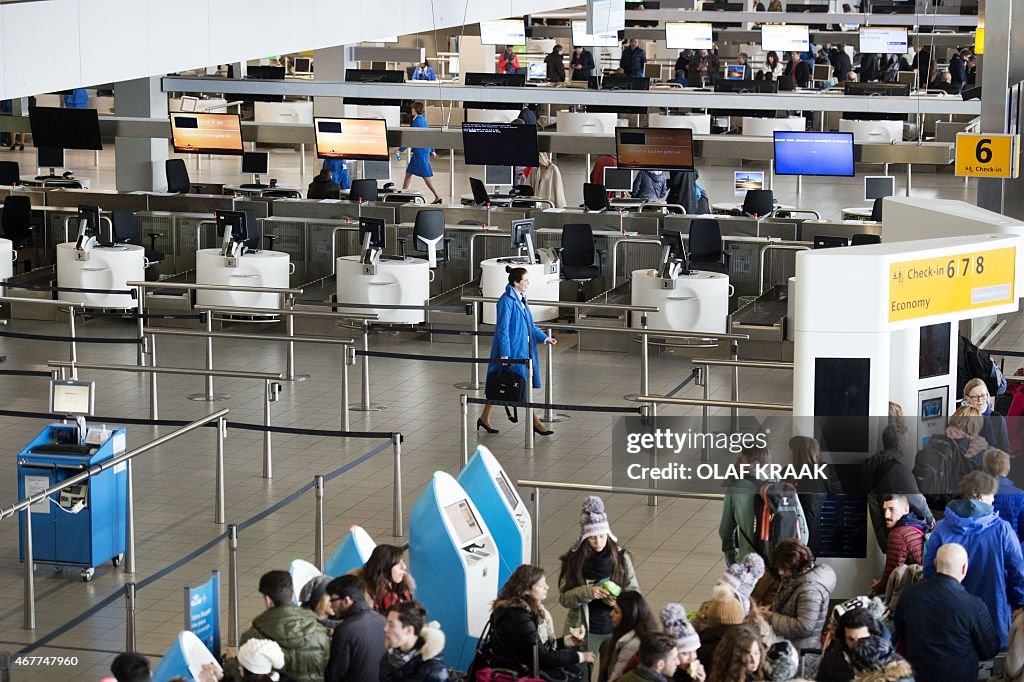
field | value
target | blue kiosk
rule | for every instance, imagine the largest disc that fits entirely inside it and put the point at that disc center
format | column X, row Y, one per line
column 502, row 509
column 454, row 560
column 185, row 659
column 352, row 553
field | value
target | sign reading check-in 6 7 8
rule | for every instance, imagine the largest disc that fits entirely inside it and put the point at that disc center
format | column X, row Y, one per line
column 987, row 155
column 957, row 283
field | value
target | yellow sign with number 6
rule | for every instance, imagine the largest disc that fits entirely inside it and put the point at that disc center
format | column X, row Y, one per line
column 989, row 155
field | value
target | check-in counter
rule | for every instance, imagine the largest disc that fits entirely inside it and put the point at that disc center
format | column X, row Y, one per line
column 872, row 131
column 254, row 269
column 103, row 268
column 700, row 124
column 283, row 112
column 588, row 122
column 764, row 127
column 491, row 115
column 809, row 229
column 697, row 301
column 395, row 282
column 107, row 200
column 392, row 115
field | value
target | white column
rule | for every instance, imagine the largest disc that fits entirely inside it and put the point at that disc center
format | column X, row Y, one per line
column 139, row 162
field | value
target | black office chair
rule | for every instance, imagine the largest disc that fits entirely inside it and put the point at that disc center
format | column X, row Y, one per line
column 876, row 210
column 16, row 224
column 523, row 190
column 480, row 195
column 581, row 261
column 177, row 176
column 705, row 245
column 10, row 174
column 428, row 229
column 255, row 239
column 758, row 202
column 364, row 189
column 863, row 238
column 127, row 231
column 595, row 197
column 278, row 193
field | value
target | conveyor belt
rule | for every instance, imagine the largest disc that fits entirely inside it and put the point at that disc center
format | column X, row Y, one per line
column 761, row 313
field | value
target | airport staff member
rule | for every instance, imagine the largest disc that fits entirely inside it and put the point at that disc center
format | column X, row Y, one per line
column 78, row 99
column 424, row 72
column 582, row 64
column 419, row 159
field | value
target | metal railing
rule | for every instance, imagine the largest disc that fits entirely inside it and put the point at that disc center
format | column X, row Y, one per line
column 73, row 354
column 125, row 458
column 615, row 255
column 772, row 246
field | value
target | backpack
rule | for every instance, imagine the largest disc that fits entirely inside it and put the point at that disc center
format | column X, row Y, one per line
column 938, row 468
column 975, row 363
column 777, row 516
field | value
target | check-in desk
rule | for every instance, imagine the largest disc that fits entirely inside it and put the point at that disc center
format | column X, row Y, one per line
column 399, row 281
column 587, row 122
column 809, row 229
column 698, row 301
column 104, row 267
column 764, row 127
column 734, row 207
column 700, row 124
column 491, row 115
column 872, row 131
column 391, row 114
column 283, row 112
column 857, row 213
column 544, row 280
column 253, row 269
column 256, row 191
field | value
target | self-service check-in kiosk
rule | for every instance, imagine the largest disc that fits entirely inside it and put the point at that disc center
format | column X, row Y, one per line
column 301, row 572
column 352, row 553
column 454, row 560
column 185, row 659
column 502, row 509
column 85, row 525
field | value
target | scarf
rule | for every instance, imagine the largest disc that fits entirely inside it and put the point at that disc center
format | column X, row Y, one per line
column 599, row 567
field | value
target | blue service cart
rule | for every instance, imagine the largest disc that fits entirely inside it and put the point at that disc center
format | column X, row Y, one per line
column 83, row 525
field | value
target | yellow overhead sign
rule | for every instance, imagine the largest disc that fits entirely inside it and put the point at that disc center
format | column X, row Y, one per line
column 958, row 283
column 989, row 155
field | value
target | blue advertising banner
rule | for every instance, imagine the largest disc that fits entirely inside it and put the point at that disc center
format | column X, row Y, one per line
column 202, row 613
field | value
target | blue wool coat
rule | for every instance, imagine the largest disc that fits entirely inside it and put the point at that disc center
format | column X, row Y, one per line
column 515, row 335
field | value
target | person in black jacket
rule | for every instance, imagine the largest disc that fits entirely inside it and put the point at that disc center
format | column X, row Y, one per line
column 854, row 625
column 323, row 186
column 944, row 629
column 520, row 623
column 582, row 64
column 812, row 492
column 357, row 645
column 798, row 70
column 887, row 474
column 841, row 64
column 555, row 65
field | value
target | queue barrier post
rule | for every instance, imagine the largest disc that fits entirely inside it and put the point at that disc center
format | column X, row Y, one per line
column 218, row 504
column 29, row 617
column 464, row 409
column 233, row 633
column 129, row 617
column 318, row 520
column 397, row 512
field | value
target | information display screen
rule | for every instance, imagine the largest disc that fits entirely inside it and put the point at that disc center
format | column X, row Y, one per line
column 72, row 397
column 581, row 38
column 784, row 37
column 654, row 148
column 351, row 138
column 503, row 32
column 802, row 153
column 500, row 144
column 688, row 35
column 883, row 40
column 65, row 128
column 195, row 133
column 463, row 521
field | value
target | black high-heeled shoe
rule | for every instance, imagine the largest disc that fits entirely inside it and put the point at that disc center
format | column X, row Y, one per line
column 480, row 425
column 541, row 432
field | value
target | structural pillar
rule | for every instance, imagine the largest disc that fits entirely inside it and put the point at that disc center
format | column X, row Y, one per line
column 139, row 162
column 329, row 65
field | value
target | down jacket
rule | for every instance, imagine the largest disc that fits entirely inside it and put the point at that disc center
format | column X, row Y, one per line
column 425, row 663
column 515, row 632
column 801, row 606
column 301, row 637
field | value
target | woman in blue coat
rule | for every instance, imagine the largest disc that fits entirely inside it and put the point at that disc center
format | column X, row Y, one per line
column 515, row 336
column 419, row 159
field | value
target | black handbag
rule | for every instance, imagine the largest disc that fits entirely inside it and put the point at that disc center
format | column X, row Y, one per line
column 506, row 385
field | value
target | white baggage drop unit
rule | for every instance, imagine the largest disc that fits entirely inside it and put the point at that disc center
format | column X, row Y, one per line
column 454, row 560
column 503, row 510
column 352, row 553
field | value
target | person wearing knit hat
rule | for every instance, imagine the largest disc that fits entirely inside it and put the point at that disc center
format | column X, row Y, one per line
column 260, row 657
column 313, row 596
column 593, row 572
column 742, row 576
column 874, row 660
column 674, row 622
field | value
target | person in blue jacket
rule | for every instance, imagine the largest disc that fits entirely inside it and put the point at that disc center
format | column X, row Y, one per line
column 78, row 99
column 339, row 172
column 419, row 159
column 1009, row 500
column 995, row 570
column 424, row 72
column 515, row 336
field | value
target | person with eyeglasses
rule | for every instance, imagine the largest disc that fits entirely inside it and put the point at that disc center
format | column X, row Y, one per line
column 357, row 645
column 993, row 429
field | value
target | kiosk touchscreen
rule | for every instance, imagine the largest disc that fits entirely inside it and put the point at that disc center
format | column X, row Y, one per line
column 502, row 509
column 355, row 548
column 454, row 559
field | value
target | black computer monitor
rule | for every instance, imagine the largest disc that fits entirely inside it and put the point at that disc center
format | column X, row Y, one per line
column 616, row 82
column 65, row 128
column 618, row 179
column 829, row 242
column 493, row 80
column 232, row 225
column 822, row 72
column 49, row 157
column 303, row 65
column 256, row 163
column 89, row 221
column 500, row 144
column 265, row 72
column 374, row 227
column 877, row 89
column 761, row 87
column 523, row 236
column 673, row 240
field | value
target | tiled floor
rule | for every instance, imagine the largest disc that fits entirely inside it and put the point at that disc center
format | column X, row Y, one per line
column 675, row 545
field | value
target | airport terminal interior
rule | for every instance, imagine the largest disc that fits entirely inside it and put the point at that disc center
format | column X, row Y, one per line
column 259, row 237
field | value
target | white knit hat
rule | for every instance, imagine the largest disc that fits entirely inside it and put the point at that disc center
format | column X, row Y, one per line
column 593, row 521
column 261, row 657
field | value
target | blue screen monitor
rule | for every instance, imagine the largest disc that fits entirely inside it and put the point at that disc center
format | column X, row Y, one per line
column 803, row 153
column 735, row 72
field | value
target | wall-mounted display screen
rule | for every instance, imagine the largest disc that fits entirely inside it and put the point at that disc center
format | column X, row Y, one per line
column 784, row 37
column 841, row 398
column 351, row 138
column 503, row 32
column 883, row 40
column 802, row 153
column 933, row 355
column 654, row 148
column 463, row 521
column 688, row 35
column 500, row 144
column 65, row 128
column 581, row 38
column 195, row 133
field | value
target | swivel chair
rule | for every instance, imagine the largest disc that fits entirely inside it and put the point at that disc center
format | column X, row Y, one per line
column 127, row 231
column 16, row 224
column 480, row 195
column 523, row 190
column 581, row 261
column 595, row 197
column 428, row 231
column 862, row 238
column 705, row 243
column 876, row 210
column 177, row 176
column 758, row 202
column 363, row 190
column 10, row 174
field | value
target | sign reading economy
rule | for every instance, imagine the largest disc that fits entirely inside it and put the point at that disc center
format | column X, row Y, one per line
column 957, row 283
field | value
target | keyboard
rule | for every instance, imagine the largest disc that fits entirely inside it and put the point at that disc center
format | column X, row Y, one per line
column 62, row 449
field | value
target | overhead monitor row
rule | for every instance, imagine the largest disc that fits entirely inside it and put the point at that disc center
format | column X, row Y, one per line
column 688, row 35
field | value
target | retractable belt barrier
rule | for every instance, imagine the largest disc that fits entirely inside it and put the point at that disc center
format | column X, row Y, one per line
column 67, row 339
column 438, row 358
column 694, row 373
column 74, row 290
column 431, row 330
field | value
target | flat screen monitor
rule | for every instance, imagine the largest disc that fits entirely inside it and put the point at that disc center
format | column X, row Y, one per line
column 232, row 225
column 492, row 80
column 735, row 72
column 89, row 221
column 500, row 144
column 256, row 163
column 375, row 228
column 747, row 180
column 65, row 128
column 536, row 71
column 518, row 235
column 878, row 186
column 503, row 32
column 803, row 153
column 618, row 179
column 373, row 76
column 505, row 486
column 377, row 170
column 581, row 38
column 363, row 139
column 822, row 72
column 761, row 87
column 908, row 78
column 883, row 40
column 933, row 358
column 841, row 397
column 876, row 89
column 498, row 175
column 655, row 148
column 784, row 37
column 201, row 133
column 303, row 65
column 673, row 239
column 74, row 398
column 830, row 242
column 463, row 521
column 265, row 72
column 49, row 157
column 688, row 35
column 618, row 82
